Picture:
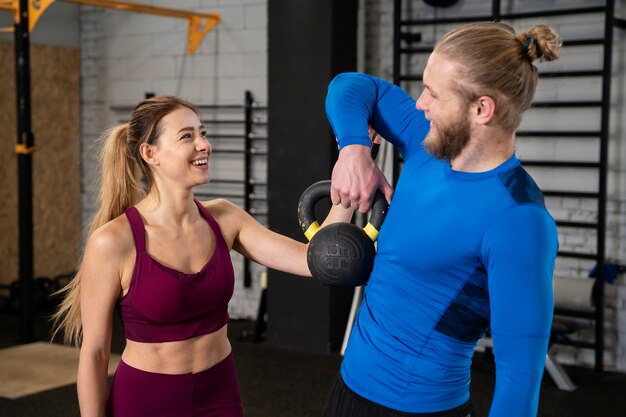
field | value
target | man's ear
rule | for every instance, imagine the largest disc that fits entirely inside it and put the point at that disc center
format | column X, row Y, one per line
column 483, row 109
column 148, row 153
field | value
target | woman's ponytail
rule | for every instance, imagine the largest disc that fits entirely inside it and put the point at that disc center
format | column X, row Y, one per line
column 120, row 188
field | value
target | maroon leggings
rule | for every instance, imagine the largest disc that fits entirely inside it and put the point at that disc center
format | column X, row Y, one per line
column 210, row 393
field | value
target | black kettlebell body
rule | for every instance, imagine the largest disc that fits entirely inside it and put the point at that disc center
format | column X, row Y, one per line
column 340, row 253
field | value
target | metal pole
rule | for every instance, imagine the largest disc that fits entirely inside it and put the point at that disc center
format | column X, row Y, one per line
column 24, row 149
column 495, row 10
column 602, row 191
column 397, row 44
column 249, row 102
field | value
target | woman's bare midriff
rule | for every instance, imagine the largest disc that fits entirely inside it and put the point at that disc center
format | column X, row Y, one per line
column 181, row 357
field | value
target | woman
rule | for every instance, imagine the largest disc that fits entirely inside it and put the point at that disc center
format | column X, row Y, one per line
column 162, row 259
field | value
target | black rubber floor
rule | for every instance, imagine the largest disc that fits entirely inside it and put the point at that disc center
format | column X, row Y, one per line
column 277, row 382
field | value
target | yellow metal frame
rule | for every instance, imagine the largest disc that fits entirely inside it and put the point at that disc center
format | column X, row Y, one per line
column 10, row 6
column 199, row 23
column 24, row 150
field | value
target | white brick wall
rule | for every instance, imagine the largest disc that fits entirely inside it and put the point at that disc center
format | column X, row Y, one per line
column 378, row 61
column 125, row 55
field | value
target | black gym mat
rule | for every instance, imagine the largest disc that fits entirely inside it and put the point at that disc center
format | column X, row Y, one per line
column 278, row 382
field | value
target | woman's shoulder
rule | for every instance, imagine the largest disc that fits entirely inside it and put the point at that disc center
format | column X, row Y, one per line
column 228, row 215
column 114, row 237
column 221, row 207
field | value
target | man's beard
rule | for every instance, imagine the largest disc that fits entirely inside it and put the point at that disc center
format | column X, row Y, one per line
column 448, row 142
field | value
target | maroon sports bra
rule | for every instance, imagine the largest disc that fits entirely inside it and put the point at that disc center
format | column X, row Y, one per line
column 165, row 305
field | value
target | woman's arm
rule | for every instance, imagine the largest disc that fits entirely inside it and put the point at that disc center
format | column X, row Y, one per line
column 338, row 214
column 100, row 288
column 262, row 245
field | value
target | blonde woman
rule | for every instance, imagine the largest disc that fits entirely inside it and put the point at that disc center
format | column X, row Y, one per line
column 161, row 258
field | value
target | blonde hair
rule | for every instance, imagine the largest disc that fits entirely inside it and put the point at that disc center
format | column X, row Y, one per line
column 498, row 62
column 122, row 171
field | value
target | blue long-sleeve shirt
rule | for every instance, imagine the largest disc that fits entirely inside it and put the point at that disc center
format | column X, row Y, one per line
column 458, row 253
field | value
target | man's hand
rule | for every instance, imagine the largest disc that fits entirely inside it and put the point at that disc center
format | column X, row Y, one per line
column 355, row 179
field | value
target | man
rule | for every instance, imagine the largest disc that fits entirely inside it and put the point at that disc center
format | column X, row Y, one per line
column 467, row 245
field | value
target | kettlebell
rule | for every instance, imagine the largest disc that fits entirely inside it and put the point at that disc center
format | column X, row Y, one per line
column 340, row 253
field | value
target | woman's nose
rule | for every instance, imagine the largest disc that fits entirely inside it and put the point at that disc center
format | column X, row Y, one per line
column 202, row 143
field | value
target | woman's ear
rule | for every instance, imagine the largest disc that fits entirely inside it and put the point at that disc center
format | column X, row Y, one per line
column 149, row 154
column 484, row 110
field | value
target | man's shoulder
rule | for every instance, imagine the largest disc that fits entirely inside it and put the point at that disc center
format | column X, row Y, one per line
column 521, row 186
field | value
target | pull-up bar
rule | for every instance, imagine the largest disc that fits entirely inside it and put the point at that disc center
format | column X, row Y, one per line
column 199, row 23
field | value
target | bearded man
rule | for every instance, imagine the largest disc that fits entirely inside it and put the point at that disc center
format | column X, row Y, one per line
column 467, row 245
